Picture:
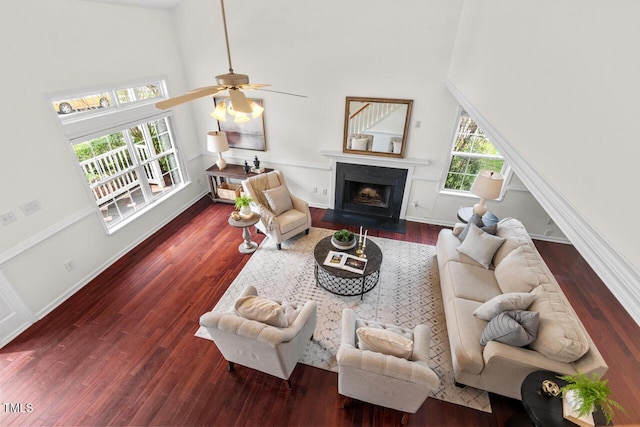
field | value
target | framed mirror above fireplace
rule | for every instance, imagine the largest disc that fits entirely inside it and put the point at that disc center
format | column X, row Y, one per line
column 376, row 126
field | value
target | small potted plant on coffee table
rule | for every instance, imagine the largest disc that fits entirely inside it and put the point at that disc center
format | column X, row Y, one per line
column 343, row 240
column 585, row 395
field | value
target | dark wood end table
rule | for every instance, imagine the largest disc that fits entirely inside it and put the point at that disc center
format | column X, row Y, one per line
column 543, row 410
column 215, row 177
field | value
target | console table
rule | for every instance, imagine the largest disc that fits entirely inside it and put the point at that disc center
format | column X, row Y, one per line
column 215, row 177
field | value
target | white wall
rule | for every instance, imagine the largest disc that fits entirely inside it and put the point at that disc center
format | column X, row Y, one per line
column 330, row 50
column 49, row 47
column 558, row 81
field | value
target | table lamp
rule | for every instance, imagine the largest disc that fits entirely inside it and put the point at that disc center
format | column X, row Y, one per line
column 487, row 185
column 217, row 143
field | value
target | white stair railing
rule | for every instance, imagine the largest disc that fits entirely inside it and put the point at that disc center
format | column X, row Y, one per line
column 370, row 115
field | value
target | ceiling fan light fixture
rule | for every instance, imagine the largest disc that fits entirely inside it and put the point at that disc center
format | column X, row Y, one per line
column 256, row 110
column 241, row 118
column 220, row 112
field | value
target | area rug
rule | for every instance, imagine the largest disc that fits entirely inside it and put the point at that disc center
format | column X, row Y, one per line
column 407, row 294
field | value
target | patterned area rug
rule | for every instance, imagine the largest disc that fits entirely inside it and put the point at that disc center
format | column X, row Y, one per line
column 407, row 294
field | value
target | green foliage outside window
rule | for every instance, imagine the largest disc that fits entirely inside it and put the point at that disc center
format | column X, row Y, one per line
column 472, row 152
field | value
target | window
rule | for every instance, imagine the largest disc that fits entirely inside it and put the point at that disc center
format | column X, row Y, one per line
column 128, row 157
column 472, row 152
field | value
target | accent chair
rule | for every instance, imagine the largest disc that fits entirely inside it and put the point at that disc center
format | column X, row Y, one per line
column 282, row 214
column 382, row 379
column 257, row 345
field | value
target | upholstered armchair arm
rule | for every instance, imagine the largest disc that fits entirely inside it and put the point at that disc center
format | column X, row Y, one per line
column 230, row 322
column 390, row 366
column 416, row 371
column 299, row 204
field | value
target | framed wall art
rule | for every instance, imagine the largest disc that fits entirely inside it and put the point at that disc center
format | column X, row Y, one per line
column 249, row 135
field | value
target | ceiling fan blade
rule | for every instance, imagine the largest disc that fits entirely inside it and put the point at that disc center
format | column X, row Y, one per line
column 189, row 96
column 239, row 101
column 253, row 86
column 284, row 93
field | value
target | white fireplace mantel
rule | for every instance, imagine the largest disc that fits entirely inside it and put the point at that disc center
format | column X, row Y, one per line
column 389, row 162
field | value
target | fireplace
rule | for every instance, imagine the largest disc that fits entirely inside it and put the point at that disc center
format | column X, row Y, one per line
column 369, row 190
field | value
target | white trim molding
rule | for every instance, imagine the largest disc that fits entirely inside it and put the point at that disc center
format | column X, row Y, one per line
column 614, row 270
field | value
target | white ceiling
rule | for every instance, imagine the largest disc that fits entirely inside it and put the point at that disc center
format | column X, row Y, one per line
column 158, row 4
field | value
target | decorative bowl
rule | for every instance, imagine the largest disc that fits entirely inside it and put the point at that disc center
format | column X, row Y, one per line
column 343, row 246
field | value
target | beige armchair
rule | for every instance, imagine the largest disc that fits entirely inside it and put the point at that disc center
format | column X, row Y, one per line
column 282, row 214
column 380, row 379
column 257, row 345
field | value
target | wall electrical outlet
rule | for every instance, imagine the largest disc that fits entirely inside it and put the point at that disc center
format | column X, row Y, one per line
column 31, row 207
column 8, row 217
column 70, row 265
column 314, row 189
column 415, row 203
column 324, row 191
column 418, row 124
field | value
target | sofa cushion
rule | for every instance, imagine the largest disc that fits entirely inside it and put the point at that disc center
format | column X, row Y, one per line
column 514, row 233
column 464, row 331
column 262, row 310
column 480, row 246
column 560, row 334
column 472, row 282
column 514, row 327
column 521, row 270
column 504, row 302
column 384, row 341
column 279, row 199
column 291, row 219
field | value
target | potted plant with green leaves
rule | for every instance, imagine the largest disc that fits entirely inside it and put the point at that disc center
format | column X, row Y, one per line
column 343, row 239
column 242, row 204
column 586, row 394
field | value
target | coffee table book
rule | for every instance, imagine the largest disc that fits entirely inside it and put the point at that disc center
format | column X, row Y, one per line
column 572, row 415
column 345, row 261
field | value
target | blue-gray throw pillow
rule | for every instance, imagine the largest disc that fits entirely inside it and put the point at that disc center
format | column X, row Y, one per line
column 477, row 220
column 514, row 327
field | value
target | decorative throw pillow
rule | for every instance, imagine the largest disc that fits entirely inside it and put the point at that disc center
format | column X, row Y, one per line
column 279, row 199
column 477, row 220
column 384, row 341
column 359, row 144
column 480, row 246
column 520, row 271
column 515, row 327
column 504, row 302
column 262, row 310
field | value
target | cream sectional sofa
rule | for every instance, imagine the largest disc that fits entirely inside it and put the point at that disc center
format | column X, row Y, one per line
column 562, row 344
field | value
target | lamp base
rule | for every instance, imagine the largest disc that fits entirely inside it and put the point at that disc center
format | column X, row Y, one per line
column 479, row 208
column 221, row 163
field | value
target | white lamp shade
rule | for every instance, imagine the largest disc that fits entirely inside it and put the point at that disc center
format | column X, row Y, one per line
column 217, row 142
column 487, row 185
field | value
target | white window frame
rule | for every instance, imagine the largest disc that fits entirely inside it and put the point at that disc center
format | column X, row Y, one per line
column 99, row 123
column 506, row 169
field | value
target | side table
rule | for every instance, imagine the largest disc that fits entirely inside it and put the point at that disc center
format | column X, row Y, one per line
column 464, row 214
column 215, row 177
column 247, row 246
column 546, row 411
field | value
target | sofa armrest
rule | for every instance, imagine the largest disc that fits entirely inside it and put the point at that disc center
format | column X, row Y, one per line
column 299, row 204
column 496, row 353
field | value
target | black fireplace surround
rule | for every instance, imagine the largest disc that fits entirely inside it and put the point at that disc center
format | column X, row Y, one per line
column 369, row 190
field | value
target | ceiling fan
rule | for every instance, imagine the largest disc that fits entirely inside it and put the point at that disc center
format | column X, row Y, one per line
column 230, row 81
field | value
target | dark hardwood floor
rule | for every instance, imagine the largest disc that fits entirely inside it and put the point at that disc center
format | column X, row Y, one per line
column 121, row 351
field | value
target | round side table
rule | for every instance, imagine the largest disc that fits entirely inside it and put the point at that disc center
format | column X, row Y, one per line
column 247, row 246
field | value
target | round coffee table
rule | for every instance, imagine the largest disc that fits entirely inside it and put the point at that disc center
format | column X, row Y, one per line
column 343, row 282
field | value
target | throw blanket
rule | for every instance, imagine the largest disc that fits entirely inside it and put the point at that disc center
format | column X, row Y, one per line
column 259, row 184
